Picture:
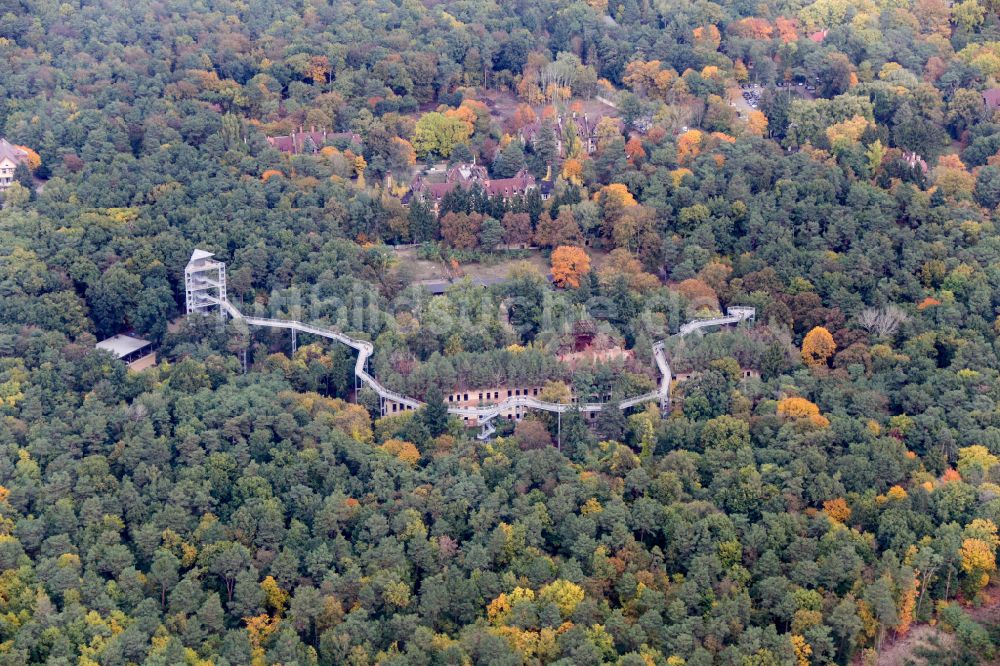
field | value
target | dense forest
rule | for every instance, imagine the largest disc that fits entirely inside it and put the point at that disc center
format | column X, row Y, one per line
column 824, row 487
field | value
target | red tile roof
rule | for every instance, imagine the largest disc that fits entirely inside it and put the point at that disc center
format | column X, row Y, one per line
column 295, row 142
column 464, row 175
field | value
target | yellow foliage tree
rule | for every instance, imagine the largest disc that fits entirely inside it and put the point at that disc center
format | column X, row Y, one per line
column 275, row 596
column 569, row 264
column 907, row 603
column 556, row 391
column 817, row 347
column 677, row 175
column 847, row 132
column 756, row 123
column 896, row 493
column 985, row 530
column 259, row 629
column 978, row 561
column 564, row 594
column 975, row 461
column 403, row 450
column 616, row 193
column 803, row 651
column 952, row 179
column 800, row 408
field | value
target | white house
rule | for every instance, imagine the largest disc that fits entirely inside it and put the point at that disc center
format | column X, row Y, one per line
column 10, row 157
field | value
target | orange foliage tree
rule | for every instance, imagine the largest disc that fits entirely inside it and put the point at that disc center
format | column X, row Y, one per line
column 621, row 262
column 573, row 170
column 837, row 508
column 787, row 29
column 817, row 347
column 699, row 294
column 688, row 146
column 634, row 150
column 522, row 117
column 569, row 264
column 649, row 78
column 31, row 158
column 707, row 37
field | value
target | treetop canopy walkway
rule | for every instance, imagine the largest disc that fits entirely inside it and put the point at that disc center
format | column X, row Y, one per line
column 205, row 281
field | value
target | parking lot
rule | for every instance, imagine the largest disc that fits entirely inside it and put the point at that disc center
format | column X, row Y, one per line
column 747, row 96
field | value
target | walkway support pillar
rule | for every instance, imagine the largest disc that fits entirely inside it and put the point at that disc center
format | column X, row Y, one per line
column 559, row 430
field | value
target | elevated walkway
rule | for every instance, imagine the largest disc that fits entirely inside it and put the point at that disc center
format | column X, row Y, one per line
column 484, row 414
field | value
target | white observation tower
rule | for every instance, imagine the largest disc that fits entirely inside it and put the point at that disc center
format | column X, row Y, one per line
column 205, row 284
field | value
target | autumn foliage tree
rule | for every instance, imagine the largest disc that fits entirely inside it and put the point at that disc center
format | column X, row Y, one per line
column 978, row 562
column 402, row 450
column 756, row 123
column 689, row 146
column 800, row 408
column 572, row 170
column 461, row 230
column 634, row 150
column 837, row 509
column 31, row 158
column 569, row 264
column 561, row 230
column 817, row 347
column 699, row 294
column 516, row 228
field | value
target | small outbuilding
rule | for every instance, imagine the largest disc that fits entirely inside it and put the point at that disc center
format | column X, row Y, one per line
column 137, row 353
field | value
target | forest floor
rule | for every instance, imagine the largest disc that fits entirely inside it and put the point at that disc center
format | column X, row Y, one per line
column 901, row 652
column 504, row 104
column 420, row 269
column 491, row 271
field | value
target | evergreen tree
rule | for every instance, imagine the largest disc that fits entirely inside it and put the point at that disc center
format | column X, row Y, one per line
column 545, row 150
column 490, row 234
column 610, row 422
column 460, row 154
column 434, row 414
column 509, row 161
column 423, row 224
column 22, row 174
